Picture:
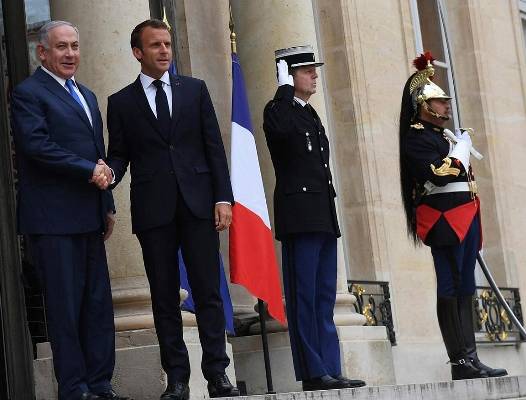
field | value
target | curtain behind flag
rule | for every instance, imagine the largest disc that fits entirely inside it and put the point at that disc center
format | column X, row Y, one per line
column 252, row 258
column 188, row 304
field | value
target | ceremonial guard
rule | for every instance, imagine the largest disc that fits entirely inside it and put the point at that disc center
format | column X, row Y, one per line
column 305, row 220
column 443, row 211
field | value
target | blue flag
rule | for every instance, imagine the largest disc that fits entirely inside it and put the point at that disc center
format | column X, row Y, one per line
column 188, row 304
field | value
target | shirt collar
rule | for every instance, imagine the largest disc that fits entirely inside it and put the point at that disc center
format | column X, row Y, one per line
column 60, row 80
column 147, row 80
column 303, row 103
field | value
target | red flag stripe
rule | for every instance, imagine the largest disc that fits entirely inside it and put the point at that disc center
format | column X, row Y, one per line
column 251, row 245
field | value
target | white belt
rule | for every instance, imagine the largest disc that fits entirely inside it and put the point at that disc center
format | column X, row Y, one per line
column 450, row 187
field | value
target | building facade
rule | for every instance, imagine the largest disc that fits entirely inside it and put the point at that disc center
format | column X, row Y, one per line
column 367, row 47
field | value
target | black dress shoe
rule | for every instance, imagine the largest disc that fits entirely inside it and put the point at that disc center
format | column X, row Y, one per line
column 220, row 386
column 111, row 395
column 464, row 369
column 492, row 372
column 176, row 391
column 351, row 383
column 324, row 382
column 88, row 396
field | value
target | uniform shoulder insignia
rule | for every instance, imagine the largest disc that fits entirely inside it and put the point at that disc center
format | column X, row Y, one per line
column 418, row 126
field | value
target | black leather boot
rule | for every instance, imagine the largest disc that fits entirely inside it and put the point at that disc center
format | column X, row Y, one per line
column 449, row 321
column 465, row 311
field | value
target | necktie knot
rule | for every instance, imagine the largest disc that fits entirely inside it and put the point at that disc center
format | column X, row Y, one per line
column 70, row 84
column 71, row 89
column 158, row 84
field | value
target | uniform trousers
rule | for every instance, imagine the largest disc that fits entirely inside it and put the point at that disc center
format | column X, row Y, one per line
column 199, row 243
column 74, row 273
column 455, row 265
column 309, row 277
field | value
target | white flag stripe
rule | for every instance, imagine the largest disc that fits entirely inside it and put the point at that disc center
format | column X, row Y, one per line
column 247, row 183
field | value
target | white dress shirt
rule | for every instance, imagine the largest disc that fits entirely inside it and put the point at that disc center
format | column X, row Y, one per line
column 150, row 90
column 62, row 83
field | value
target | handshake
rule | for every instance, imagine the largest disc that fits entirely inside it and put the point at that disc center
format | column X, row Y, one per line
column 102, row 175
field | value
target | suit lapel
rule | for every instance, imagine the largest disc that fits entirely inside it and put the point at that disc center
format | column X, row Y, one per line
column 144, row 106
column 54, row 87
column 176, row 104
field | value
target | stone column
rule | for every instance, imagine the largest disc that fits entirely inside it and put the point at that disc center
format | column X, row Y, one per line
column 288, row 23
column 291, row 23
column 106, row 66
column 204, row 53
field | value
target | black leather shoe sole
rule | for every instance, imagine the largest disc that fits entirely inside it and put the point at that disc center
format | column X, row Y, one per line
column 234, row 392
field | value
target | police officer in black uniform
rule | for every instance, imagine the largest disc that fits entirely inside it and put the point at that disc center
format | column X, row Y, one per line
column 305, row 220
column 443, row 211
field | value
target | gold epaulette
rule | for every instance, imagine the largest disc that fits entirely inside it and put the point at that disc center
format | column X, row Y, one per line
column 445, row 169
column 418, row 126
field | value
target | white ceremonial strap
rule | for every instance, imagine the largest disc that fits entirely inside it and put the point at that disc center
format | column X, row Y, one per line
column 450, row 187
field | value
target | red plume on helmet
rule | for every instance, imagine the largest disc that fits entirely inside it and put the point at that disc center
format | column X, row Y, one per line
column 420, row 63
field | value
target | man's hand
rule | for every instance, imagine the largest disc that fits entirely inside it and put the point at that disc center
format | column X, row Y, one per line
column 102, row 175
column 110, row 223
column 223, row 216
column 283, row 74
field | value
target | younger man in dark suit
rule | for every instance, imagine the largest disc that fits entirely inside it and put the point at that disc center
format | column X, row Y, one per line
column 57, row 129
column 165, row 127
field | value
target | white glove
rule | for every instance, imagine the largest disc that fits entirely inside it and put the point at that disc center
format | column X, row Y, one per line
column 463, row 135
column 283, row 74
column 461, row 151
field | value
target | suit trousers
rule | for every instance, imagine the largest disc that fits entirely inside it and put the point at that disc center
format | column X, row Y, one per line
column 455, row 265
column 309, row 278
column 74, row 273
column 199, row 243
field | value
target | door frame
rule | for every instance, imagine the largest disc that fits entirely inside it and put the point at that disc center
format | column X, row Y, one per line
column 17, row 350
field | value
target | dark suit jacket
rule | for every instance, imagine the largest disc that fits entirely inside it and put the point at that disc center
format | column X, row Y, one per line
column 192, row 159
column 56, row 151
column 304, row 193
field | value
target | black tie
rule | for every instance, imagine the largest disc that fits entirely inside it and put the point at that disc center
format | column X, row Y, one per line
column 310, row 109
column 163, row 112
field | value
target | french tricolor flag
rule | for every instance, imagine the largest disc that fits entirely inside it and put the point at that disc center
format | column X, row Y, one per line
column 252, row 258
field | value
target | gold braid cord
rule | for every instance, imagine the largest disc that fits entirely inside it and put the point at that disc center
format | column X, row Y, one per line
column 445, row 169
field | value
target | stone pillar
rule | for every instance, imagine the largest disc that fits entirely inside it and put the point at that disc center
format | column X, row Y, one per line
column 289, row 23
column 492, row 95
column 204, row 53
column 106, row 66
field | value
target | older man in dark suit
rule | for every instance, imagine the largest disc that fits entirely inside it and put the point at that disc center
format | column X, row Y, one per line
column 57, row 129
column 165, row 127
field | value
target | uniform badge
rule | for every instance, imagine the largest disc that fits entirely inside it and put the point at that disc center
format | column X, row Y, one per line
column 418, row 126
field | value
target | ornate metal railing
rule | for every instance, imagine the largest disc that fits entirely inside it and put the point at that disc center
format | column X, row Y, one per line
column 492, row 322
column 374, row 302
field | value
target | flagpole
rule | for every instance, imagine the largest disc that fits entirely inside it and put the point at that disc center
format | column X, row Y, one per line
column 266, row 357
column 261, row 305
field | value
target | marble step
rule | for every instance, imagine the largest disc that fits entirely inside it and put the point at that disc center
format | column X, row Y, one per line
column 511, row 387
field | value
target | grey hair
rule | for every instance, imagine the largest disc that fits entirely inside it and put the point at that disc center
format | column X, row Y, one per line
column 43, row 33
